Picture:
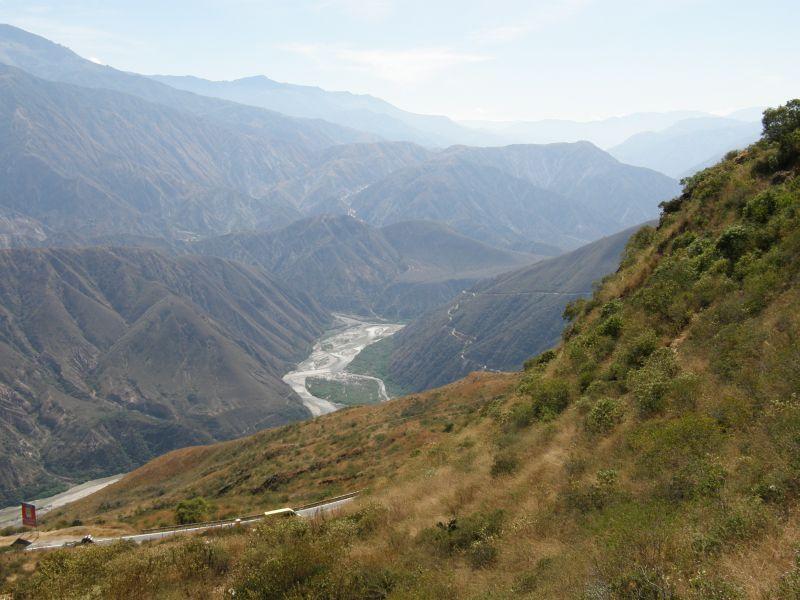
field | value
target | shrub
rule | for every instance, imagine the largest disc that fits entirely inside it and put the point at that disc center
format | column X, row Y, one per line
column 604, row 415
column 760, row 208
column 612, row 326
column 283, row 556
column 651, row 383
column 733, row 242
column 540, row 360
column 665, row 447
column 712, row 587
column 701, row 478
column 458, row 535
column 481, row 554
column 594, row 496
column 642, row 346
column 549, row 397
column 193, row 510
column 789, row 585
column 529, row 581
column 781, row 122
column 574, row 309
column 611, row 308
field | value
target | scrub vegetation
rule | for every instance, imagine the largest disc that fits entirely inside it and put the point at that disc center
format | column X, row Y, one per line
column 654, row 454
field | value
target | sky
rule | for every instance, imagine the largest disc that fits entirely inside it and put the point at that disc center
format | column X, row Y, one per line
column 467, row 59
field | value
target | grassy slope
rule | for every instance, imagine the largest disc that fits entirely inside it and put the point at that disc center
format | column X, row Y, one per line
column 656, row 455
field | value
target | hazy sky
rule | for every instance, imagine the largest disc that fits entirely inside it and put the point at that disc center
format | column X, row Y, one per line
column 494, row 59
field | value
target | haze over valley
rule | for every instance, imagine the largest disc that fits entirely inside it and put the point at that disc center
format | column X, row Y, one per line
column 480, row 304
column 322, row 202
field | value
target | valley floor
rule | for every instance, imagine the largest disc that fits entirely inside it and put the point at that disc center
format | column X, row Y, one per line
column 331, row 355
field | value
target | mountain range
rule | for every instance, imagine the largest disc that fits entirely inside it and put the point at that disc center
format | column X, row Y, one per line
column 560, row 194
column 109, row 357
column 165, row 236
column 96, row 155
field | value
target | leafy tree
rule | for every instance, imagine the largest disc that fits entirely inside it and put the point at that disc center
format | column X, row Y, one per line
column 192, row 511
column 782, row 126
column 781, row 122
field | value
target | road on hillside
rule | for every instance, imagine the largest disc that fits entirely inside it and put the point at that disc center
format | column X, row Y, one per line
column 309, row 513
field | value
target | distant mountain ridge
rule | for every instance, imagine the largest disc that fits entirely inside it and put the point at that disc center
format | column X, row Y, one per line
column 688, row 145
column 395, row 272
column 47, row 60
column 560, row 194
column 358, row 111
column 109, row 357
column 605, row 133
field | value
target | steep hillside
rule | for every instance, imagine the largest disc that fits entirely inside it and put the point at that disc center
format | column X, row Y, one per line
column 655, row 454
column 347, row 265
column 561, row 194
column 687, row 146
column 110, row 357
column 84, row 163
column 498, row 323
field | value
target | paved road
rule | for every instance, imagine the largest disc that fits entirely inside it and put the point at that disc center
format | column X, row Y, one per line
column 158, row 535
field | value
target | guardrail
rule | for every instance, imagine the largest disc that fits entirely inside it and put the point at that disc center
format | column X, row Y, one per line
column 202, row 524
column 328, row 500
column 249, row 517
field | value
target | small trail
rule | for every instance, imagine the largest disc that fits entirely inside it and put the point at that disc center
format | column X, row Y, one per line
column 467, row 340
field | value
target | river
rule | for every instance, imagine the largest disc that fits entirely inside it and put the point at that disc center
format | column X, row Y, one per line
column 328, row 359
column 331, row 355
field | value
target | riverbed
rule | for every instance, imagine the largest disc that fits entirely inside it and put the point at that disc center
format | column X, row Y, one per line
column 331, row 355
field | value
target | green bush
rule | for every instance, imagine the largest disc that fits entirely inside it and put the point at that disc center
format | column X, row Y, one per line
column 700, row 478
column 604, row 415
column 652, row 382
column 760, row 208
column 459, row 534
column 782, row 126
column 549, row 398
column 193, row 510
column 639, row 348
column 662, row 448
column 789, row 585
column 734, row 242
column 574, row 309
column 612, row 326
column 540, row 360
